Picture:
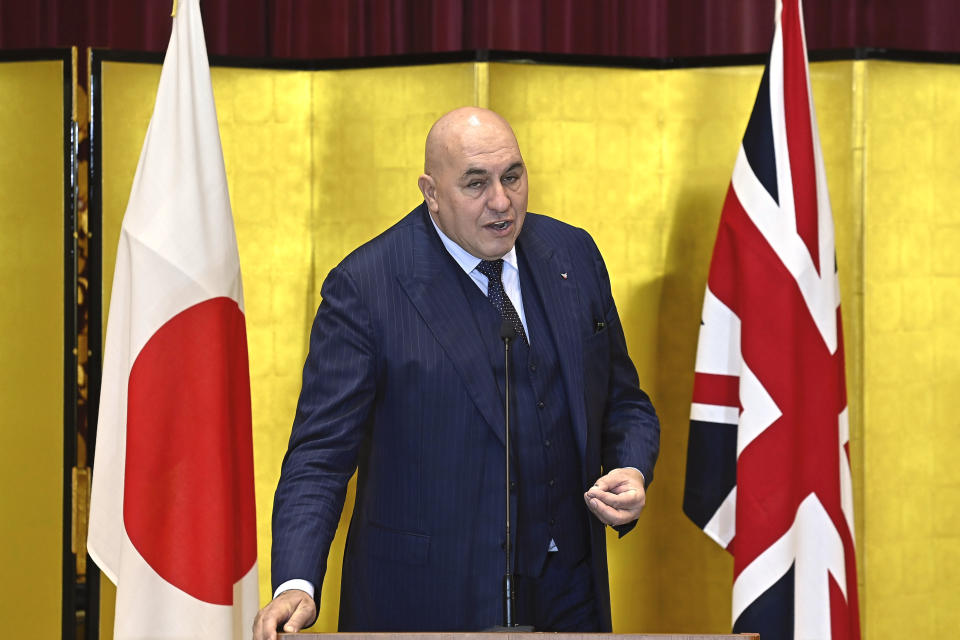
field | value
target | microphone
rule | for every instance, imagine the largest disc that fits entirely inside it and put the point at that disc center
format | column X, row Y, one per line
column 507, row 334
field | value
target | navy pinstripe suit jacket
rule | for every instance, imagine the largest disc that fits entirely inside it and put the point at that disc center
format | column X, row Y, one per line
column 398, row 386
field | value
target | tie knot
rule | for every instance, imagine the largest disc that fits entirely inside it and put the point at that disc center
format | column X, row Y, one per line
column 491, row 268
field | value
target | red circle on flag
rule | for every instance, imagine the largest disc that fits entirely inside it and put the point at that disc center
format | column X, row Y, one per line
column 188, row 503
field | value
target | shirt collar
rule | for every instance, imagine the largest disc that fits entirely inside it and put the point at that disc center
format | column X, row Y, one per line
column 464, row 258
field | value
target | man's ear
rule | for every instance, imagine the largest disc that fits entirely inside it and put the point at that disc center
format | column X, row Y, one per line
column 428, row 187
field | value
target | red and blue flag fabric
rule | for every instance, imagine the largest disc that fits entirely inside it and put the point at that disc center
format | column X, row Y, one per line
column 768, row 463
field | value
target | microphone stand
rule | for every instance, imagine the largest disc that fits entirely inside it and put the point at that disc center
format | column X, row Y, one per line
column 507, row 333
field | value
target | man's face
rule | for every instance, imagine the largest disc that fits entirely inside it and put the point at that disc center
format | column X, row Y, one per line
column 479, row 194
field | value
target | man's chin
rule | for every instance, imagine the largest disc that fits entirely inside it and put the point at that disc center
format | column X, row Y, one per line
column 499, row 243
column 495, row 251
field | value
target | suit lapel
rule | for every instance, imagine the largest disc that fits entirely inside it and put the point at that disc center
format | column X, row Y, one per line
column 434, row 289
column 556, row 282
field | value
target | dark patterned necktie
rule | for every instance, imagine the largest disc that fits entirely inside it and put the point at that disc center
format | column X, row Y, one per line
column 498, row 297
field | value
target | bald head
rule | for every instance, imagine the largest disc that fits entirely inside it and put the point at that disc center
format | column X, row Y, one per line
column 461, row 131
column 474, row 181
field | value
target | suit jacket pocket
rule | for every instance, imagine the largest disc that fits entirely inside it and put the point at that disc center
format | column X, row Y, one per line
column 404, row 547
column 596, row 352
column 596, row 374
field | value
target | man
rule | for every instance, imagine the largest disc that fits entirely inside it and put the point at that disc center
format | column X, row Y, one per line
column 404, row 382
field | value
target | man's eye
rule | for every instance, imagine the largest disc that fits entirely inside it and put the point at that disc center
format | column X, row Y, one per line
column 510, row 179
column 476, row 184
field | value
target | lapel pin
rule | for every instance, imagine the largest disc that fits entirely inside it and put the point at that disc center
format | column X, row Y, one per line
column 563, row 275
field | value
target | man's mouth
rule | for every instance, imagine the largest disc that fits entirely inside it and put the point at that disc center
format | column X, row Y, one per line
column 500, row 226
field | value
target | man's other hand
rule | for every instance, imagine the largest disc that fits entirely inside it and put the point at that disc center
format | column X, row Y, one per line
column 618, row 497
column 294, row 609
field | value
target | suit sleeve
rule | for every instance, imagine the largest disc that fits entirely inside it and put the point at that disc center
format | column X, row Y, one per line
column 631, row 429
column 328, row 431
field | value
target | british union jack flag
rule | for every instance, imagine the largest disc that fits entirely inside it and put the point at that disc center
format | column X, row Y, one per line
column 768, row 466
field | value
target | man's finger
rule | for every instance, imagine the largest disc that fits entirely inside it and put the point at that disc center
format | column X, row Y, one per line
column 302, row 616
column 294, row 609
column 627, row 492
column 622, row 486
column 599, row 509
column 626, row 500
column 601, row 484
column 617, row 480
column 610, row 481
column 608, row 515
column 265, row 625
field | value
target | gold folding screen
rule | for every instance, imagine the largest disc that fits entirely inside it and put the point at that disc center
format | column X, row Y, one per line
column 320, row 161
column 32, row 344
column 911, row 344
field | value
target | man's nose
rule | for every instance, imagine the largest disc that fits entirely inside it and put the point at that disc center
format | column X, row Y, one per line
column 498, row 200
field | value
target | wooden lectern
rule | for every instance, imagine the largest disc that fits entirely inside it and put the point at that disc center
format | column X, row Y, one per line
column 480, row 635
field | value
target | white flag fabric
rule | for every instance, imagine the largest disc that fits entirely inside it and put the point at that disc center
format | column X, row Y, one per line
column 172, row 518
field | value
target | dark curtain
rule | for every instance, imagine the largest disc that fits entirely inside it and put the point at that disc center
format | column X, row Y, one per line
column 351, row 28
